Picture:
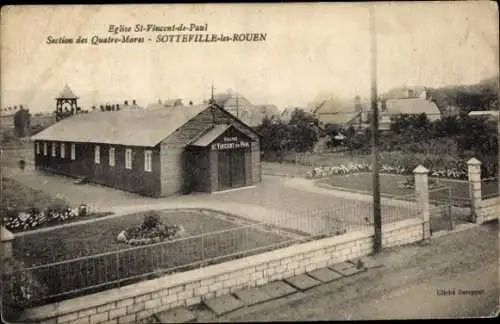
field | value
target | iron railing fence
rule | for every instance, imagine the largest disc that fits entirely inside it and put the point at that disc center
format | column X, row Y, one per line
column 87, row 274
column 116, row 268
column 446, row 209
column 490, row 188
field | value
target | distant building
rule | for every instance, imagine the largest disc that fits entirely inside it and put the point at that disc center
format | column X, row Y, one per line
column 286, row 115
column 492, row 115
column 154, row 152
column 243, row 109
column 406, row 93
column 336, row 112
column 411, row 106
column 172, row 103
column 42, row 120
column 7, row 121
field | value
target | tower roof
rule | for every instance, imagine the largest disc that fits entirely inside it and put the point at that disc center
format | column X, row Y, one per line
column 66, row 93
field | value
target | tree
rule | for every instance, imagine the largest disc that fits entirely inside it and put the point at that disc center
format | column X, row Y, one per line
column 22, row 122
column 302, row 131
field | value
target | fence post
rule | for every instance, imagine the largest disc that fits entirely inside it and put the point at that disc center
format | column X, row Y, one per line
column 474, row 170
column 422, row 195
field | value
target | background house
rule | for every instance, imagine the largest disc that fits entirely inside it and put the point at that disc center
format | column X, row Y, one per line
column 411, row 106
column 492, row 115
column 242, row 108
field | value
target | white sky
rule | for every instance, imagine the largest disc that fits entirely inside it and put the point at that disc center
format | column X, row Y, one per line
column 310, row 49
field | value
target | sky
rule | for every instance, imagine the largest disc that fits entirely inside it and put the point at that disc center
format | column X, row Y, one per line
column 310, row 51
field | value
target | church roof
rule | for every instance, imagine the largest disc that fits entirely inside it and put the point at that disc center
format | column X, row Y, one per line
column 134, row 127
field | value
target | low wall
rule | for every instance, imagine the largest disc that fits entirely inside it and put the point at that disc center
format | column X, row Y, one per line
column 136, row 302
column 489, row 209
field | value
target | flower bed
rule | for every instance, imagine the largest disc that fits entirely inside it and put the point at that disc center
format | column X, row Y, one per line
column 151, row 230
column 22, row 220
column 327, row 171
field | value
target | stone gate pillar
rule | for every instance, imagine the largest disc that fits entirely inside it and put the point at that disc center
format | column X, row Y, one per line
column 422, row 195
column 6, row 239
column 474, row 170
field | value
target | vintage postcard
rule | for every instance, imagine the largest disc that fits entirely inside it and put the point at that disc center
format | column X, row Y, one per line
column 249, row 162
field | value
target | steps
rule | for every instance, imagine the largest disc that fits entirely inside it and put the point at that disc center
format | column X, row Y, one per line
column 246, row 297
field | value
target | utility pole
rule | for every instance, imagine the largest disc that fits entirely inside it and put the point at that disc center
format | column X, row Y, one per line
column 237, row 107
column 377, row 217
column 212, row 98
column 212, row 102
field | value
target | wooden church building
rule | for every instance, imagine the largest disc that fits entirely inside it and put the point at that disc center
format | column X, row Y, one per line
column 157, row 152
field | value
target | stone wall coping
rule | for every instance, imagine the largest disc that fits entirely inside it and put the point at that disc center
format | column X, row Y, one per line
column 420, row 169
column 473, row 161
column 401, row 224
column 183, row 278
column 490, row 202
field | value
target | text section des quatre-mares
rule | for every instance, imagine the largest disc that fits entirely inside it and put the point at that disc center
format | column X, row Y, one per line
column 151, row 33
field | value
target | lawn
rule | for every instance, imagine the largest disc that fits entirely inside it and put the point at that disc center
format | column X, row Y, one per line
column 18, row 197
column 120, row 261
column 389, row 186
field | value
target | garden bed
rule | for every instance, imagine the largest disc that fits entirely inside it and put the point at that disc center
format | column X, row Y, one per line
column 118, row 262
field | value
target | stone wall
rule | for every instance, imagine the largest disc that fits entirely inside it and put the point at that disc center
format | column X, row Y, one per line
column 489, row 209
column 136, row 302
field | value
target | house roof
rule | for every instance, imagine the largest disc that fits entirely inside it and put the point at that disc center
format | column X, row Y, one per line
column 493, row 113
column 411, row 106
column 333, row 106
column 128, row 127
column 66, row 93
column 210, row 136
column 338, row 118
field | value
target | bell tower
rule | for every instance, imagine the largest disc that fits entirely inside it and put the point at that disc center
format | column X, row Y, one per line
column 67, row 100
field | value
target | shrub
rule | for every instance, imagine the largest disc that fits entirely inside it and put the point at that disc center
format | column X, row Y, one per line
column 21, row 289
column 151, row 220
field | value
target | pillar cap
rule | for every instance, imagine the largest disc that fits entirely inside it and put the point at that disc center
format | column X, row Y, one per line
column 420, row 170
column 473, row 161
column 6, row 235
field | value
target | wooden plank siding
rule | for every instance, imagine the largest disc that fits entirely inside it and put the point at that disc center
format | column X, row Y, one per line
column 173, row 178
column 135, row 180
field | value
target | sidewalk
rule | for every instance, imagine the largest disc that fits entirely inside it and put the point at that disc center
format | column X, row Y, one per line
column 405, row 288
